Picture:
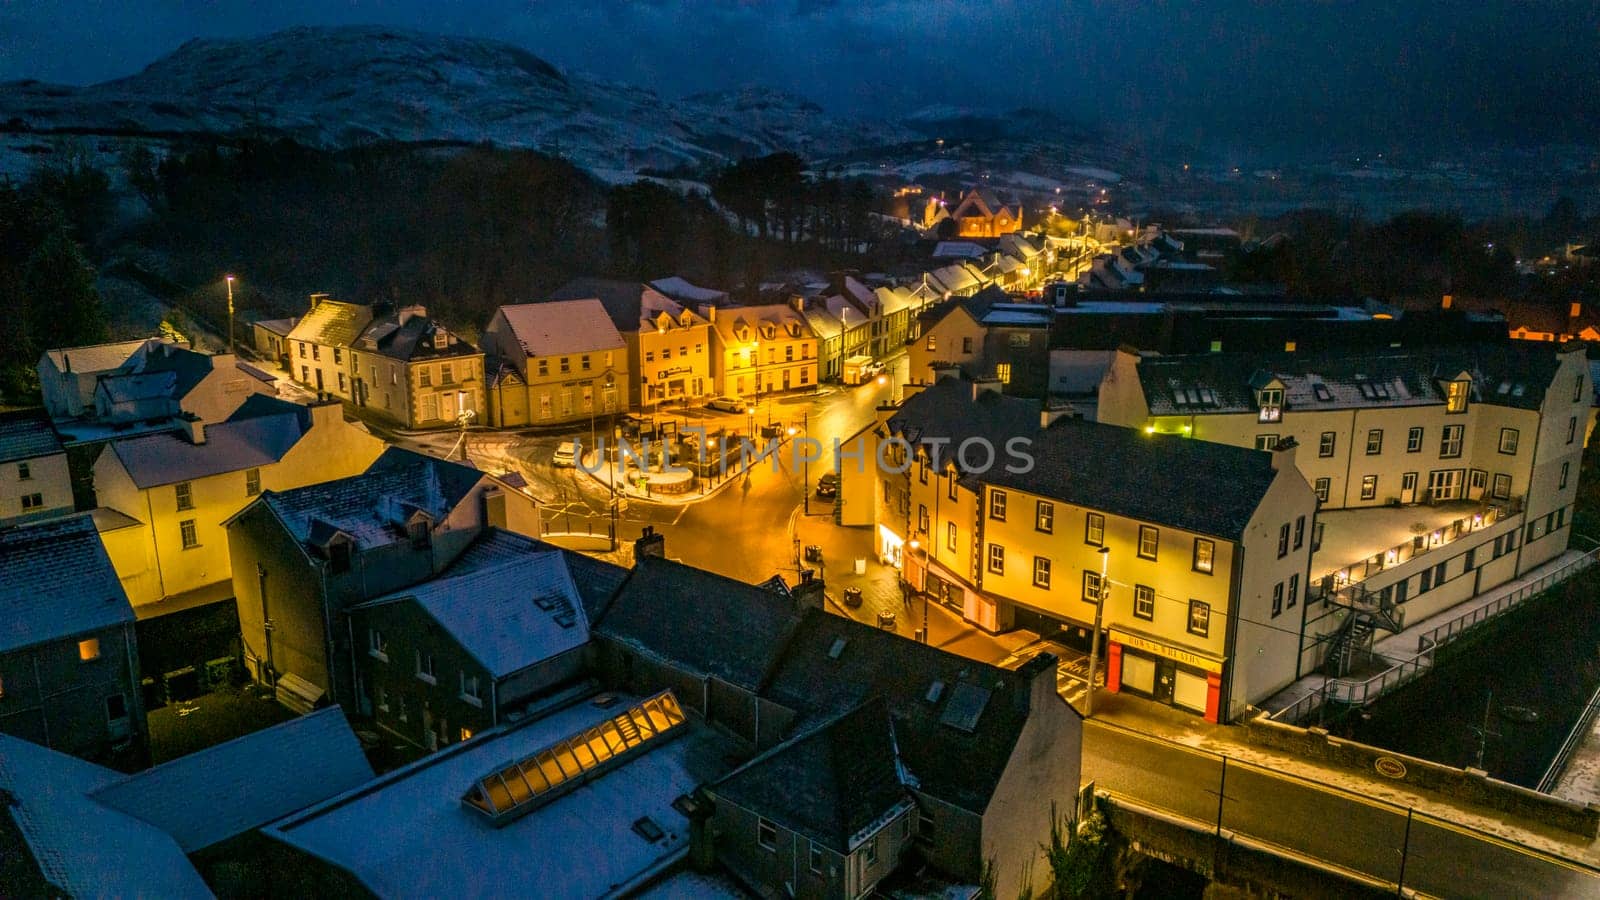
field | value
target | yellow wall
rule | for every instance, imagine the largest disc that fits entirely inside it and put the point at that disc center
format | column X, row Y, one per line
column 947, row 336
column 47, row 476
column 679, row 352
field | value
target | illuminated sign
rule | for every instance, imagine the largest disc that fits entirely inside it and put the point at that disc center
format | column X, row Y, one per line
column 1172, row 653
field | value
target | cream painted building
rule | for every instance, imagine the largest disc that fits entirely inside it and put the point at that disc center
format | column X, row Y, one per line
column 762, row 350
column 1018, row 542
column 670, row 349
column 168, row 494
column 35, row 482
column 555, row 362
column 319, row 345
column 951, row 335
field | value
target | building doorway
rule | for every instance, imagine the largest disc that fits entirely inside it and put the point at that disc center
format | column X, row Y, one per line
column 1408, row 488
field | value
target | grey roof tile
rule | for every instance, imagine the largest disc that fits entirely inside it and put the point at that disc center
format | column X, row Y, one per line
column 26, row 434
column 56, row 582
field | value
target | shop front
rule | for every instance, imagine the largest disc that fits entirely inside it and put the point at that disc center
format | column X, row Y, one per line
column 1150, row 667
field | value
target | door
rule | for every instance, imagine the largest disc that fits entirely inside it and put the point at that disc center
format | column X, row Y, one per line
column 1408, row 488
column 447, row 406
column 1166, row 679
column 1444, row 484
column 1477, row 481
column 319, row 380
column 786, row 379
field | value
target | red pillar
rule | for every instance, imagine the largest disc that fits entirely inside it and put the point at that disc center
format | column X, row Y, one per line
column 1113, row 667
column 1213, row 696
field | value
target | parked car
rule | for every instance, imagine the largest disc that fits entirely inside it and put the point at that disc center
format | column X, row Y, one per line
column 871, row 370
column 727, row 404
column 828, row 486
column 566, row 455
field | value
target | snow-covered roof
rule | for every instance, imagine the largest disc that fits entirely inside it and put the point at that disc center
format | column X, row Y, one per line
column 231, row 446
column 56, row 583
column 332, row 323
column 410, row 834
column 95, row 357
column 958, row 250
column 559, row 327
column 688, row 292
column 509, row 616
column 226, row 790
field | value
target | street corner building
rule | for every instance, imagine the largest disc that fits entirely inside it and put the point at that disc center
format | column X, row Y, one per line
column 555, row 363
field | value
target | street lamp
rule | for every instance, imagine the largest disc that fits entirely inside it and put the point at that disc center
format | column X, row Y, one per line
column 229, row 280
column 1094, row 636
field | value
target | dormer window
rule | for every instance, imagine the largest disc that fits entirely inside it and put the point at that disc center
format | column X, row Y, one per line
column 1271, row 402
column 1455, row 395
column 441, row 338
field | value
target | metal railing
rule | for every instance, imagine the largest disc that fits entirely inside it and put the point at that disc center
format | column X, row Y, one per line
column 1402, row 670
column 1574, row 740
column 1348, row 576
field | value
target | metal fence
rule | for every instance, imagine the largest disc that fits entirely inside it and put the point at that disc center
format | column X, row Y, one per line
column 1574, row 740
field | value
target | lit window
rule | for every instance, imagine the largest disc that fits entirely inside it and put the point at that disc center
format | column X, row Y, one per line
column 1369, row 487
column 1044, row 517
column 466, row 734
column 933, row 343
column 1002, row 371
column 1149, row 540
column 1205, row 552
column 88, row 649
column 1455, row 397
column 1199, row 618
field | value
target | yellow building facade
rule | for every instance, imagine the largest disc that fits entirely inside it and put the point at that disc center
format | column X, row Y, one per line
column 763, row 350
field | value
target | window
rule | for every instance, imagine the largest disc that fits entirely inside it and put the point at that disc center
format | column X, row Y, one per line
column 1271, row 404
column 1266, row 442
column 466, row 734
column 922, row 471
column 566, row 364
column 1205, row 553
column 950, row 490
column 950, row 535
column 1041, row 572
column 966, row 345
column 252, row 482
column 1149, row 540
column 997, row 505
column 188, row 533
column 1294, row 590
column 377, row 647
column 316, row 351
column 1565, row 469
column 1144, row 602
column 302, row 350
column 1502, row 487
column 1199, row 618
column 447, row 373
column 1277, row 600
column 997, row 559
column 649, row 356
column 1577, row 389
column 1374, row 441
column 341, row 381
column 933, row 343
column 338, row 355
column 1094, row 530
column 1450, row 442
column 1092, row 586
column 425, row 376
column 32, row 501
column 869, row 851
column 1455, row 396
column 116, row 707
column 922, row 517
column 24, row 472
column 1508, row 441
column 1002, row 371
column 1299, row 532
column 1044, row 516
column 767, row 835
column 469, row 689
column 925, row 826
column 544, row 367
column 1283, row 540
column 88, row 649
column 814, row 860
column 1325, row 446
column 1572, row 429
column 1414, row 440
column 425, row 667
column 1369, row 487
column 183, row 492
column 1321, row 488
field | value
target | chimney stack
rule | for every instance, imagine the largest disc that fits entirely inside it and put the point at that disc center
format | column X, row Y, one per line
column 810, row 592
column 650, row 543
column 1283, row 454
column 1040, row 673
column 194, row 429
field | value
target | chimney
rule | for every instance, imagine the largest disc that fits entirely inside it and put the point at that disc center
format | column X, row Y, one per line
column 326, row 413
column 809, row 593
column 1283, row 454
column 649, row 544
column 1054, row 412
column 407, row 313
column 981, row 386
column 709, row 310
column 194, row 429
column 317, row 299
column 797, row 303
column 1040, row 673
column 66, row 360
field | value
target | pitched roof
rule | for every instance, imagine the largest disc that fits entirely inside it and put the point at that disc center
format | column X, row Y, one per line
column 780, row 316
column 280, row 327
column 57, row 582
column 688, row 615
column 1515, row 374
column 509, row 616
column 205, row 798
column 687, row 292
column 95, row 357
column 370, row 507
column 1198, row 486
column 829, row 783
column 26, row 434
column 597, row 580
column 230, row 446
column 82, row 848
column 332, row 323
column 628, row 303
column 953, row 747
column 412, row 339
column 554, row 328
column 975, row 305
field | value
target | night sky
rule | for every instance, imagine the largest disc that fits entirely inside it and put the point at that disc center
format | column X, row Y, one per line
column 1220, row 73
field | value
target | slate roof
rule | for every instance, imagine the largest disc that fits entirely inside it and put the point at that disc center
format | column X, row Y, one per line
column 779, row 315
column 280, row 327
column 1514, row 374
column 597, row 580
column 230, row 446
column 26, row 434
column 82, row 848
column 95, row 357
column 369, row 506
column 976, row 305
column 411, row 341
column 826, row 784
column 209, row 796
column 703, row 622
column 332, row 323
column 507, row 616
column 554, row 328
column 685, row 291
column 628, row 303
column 56, row 583
column 959, row 766
column 1198, row 486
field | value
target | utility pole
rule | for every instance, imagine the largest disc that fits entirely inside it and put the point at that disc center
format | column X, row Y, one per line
column 1094, row 636
column 805, row 429
column 1405, row 853
column 229, row 280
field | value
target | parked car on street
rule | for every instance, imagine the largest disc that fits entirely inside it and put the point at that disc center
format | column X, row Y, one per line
column 566, row 455
column 727, row 404
column 828, row 486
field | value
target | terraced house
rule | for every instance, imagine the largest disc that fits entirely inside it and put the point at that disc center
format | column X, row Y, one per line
column 669, row 345
column 1191, row 550
column 416, row 373
column 555, row 362
column 763, row 350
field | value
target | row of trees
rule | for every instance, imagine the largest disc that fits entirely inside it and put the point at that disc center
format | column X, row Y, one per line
column 773, row 196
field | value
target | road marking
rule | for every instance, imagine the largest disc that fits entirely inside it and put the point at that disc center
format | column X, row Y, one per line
column 1486, row 837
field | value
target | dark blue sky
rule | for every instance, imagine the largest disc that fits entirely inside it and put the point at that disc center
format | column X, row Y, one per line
column 1218, row 72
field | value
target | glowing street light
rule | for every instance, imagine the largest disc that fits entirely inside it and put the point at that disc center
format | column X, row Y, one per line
column 229, row 280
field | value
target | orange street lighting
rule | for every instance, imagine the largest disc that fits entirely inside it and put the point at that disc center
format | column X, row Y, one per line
column 229, row 280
